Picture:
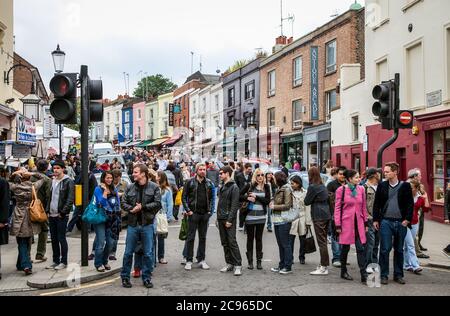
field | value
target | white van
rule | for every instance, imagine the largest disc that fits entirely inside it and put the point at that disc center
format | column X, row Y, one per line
column 103, row 149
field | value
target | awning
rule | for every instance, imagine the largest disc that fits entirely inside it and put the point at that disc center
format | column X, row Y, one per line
column 160, row 141
column 145, row 143
column 172, row 141
column 132, row 144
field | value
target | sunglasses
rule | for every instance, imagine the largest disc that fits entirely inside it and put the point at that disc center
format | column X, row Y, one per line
column 260, row 175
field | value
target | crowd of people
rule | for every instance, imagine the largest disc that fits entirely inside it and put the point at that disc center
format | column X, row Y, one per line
column 350, row 210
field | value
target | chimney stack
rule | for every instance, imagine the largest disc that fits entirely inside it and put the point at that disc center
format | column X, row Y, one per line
column 280, row 43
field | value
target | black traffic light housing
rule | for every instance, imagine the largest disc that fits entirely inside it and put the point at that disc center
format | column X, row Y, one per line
column 385, row 107
column 95, row 93
column 64, row 106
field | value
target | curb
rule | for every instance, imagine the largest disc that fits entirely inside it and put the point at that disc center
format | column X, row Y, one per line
column 438, row 265
column 62, row 283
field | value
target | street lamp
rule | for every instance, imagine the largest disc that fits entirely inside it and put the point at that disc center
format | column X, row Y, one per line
column 59, row 58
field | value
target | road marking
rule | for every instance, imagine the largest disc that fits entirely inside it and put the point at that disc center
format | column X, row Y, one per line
column 81, row 287
column 437, row 269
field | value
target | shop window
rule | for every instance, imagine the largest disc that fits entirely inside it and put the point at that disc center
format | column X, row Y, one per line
column 441, row 164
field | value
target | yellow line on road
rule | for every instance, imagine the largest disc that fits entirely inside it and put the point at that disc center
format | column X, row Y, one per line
column 81, row 287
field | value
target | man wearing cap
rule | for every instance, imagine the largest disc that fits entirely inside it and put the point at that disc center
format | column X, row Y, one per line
column 59, row 208
column 373, row 238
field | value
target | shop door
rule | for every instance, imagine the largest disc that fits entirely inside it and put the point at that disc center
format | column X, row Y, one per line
column 401, row 160
column 356, row 162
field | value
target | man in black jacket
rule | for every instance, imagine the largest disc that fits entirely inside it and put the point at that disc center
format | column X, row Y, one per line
column 141, row 201
column 59, row 208
column 392, row 213
column 242, row 179
column 199, row 202
column 4, row 214
column 226, row 217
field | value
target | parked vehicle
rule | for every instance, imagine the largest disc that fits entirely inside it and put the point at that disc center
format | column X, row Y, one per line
column 102, row 149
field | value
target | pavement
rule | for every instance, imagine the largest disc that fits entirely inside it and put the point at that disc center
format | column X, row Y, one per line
column 173, row 280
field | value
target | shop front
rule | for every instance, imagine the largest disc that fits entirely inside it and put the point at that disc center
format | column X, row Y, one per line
column 317, row 145
column 293, row 148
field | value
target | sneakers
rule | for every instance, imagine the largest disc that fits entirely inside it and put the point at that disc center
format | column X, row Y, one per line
column 101, row 269
column 112, row 258
column 285, row 271
column 400, row 281
column 237, row 271
column 126, row 283
column 91, row 257
column 337, row 264
column 320, row 271
column 241, row 229
column 423, row 256
column 52, row 266
column 40, row 259
column 148, row 284
column 162, row 261
column 204, row 265
column 107, row 267
column 226, row 269
column 183, row 262
column 60, row 266
column 136, row 273
column 418, row 271
column 275, row 270
column 188, row 266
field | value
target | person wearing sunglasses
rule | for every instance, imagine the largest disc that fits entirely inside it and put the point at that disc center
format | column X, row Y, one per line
column 256, row 196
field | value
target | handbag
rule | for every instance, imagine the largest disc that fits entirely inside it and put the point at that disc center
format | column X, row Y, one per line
column 93, row 214
column 162, row 225
column 178, row 198
column 37, row 212
column 184, row 229
column 310, row 243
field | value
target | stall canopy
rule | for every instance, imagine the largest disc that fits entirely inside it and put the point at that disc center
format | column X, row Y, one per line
column 145, row 143
column 172, row 141
column 159, row 141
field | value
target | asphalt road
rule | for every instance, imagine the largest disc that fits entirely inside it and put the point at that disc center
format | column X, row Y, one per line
column 173, row 280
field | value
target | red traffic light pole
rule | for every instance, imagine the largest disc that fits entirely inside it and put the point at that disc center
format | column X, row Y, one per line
column 396, row 95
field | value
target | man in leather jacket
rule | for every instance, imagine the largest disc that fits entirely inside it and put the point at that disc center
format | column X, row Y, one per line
column 141, row 201
column 199, row 203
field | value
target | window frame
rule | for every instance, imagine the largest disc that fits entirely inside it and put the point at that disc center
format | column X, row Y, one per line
column 328, row 66
column 297, row 81
column 231, row 96
column 295, row 112
column 250, row 94
column 272, row 90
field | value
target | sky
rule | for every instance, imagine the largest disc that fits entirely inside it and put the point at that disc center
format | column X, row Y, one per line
column 147, row 36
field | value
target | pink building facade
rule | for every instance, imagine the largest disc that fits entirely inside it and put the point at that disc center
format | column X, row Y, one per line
column 139, row 121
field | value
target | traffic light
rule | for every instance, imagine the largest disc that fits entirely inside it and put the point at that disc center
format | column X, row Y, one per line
column 64, row 107
column 384, row 108
column 95, row 93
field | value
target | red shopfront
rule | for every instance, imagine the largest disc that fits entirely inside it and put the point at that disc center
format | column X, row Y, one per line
column 429, row 151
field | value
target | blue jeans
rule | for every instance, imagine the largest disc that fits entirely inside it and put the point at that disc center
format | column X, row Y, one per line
column 103, row 244
column 146, row 234
column 161, row 242
column 58, row 229
column 372, row 245
column 23, row 258
column 284, row 241
column 392, row 234
column 269, row 218
column 410, row 256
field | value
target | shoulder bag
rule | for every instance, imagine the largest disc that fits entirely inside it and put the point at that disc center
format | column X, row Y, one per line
column 37, row 212
column 93, row 214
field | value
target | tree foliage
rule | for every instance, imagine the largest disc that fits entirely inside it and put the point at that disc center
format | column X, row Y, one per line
column 154, row 86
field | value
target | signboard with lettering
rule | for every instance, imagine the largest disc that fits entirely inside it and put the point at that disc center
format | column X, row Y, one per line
column 434, row 98
column 21, row 151
column 171, row 113
column 314, row 83
column 50, row 127
column 26, row 130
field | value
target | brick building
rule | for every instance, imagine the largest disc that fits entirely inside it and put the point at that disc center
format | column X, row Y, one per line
column 300, row 87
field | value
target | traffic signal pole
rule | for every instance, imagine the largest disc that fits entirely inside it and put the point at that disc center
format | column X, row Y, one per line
column 84, row 161
column 396, row 95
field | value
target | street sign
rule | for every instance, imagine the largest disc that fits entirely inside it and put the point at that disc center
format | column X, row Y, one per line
column 51, row 129
column 366, row 143
column 405, row 119
column 171, row 113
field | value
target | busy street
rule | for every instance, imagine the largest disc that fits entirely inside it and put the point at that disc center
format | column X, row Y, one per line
column 318, row 165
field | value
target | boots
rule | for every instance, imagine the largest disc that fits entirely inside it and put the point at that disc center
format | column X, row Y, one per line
column 250, row 260
column 259, row 257
column 344, row 273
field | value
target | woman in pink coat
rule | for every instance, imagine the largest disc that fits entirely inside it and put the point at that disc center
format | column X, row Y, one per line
column 350, row 216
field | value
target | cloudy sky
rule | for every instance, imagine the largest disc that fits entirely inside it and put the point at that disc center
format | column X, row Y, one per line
column 153, row 36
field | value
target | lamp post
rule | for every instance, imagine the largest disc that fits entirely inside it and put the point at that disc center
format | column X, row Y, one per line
column 59, row 58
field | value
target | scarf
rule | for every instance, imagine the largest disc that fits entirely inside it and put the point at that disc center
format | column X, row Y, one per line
column 353, row 189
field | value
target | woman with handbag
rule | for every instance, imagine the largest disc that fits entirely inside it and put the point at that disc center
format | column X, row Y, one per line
column 22, row 227
column 257, row 197
column 108, row 199
column 317, row 197
column 166, row 210
column 301, row 226
column 282, row 203
column 350, row 216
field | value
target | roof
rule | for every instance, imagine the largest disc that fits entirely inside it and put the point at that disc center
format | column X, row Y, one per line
column 210, row 79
